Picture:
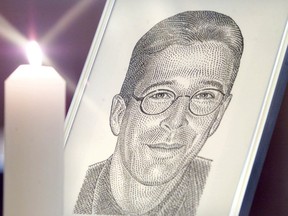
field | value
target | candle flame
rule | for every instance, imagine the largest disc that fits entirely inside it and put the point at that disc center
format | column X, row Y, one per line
column 34, row 53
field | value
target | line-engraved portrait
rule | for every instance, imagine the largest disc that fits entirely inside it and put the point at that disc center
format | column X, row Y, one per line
column 175, row 93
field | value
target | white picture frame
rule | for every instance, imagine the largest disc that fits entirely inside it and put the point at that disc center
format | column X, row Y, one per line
column 238, row 147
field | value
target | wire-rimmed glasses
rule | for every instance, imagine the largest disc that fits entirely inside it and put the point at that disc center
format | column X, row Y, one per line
column 203, row 102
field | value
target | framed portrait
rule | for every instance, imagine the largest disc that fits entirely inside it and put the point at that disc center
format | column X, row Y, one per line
column 175, row 107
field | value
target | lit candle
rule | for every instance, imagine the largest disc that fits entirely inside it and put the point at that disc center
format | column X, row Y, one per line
column 34, row 124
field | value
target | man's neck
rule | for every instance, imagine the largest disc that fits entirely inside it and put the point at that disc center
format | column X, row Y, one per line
column 133, row 196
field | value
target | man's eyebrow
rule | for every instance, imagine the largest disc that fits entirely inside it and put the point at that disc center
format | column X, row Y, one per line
column 166, row 82
column 214, row 83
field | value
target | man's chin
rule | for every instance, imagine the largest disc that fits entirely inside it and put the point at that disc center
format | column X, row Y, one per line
column 156, row 176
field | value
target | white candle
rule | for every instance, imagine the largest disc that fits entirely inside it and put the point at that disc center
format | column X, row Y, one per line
column 34, row 124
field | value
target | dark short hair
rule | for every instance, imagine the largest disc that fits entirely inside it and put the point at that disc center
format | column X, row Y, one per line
column 185, row 28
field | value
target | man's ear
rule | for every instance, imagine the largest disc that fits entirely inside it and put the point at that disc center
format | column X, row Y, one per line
column 117, row 113
column 218, row 119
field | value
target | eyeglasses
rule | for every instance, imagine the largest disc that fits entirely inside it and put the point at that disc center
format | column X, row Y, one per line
column 201, row 103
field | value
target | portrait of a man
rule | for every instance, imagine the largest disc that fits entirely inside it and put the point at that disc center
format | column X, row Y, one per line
column 175, row 93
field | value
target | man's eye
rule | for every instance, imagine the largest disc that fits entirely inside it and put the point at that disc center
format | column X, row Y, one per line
column 204, row 95
column 161, row 95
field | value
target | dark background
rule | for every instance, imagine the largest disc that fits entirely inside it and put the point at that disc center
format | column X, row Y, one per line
column 65, row 30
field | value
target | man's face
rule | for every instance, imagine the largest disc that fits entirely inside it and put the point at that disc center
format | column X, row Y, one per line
column 155, row 146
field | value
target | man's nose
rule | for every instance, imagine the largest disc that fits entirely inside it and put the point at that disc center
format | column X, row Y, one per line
column 177, row 115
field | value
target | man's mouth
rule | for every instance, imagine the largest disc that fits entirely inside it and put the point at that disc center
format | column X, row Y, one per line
column 165, row 150
column 165, row 146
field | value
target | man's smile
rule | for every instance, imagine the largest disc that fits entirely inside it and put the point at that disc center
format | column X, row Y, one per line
column 166, row 146
column 165, row 150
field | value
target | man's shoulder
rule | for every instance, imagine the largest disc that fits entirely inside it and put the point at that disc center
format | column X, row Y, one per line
column 95, row 169
column 85, row 197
